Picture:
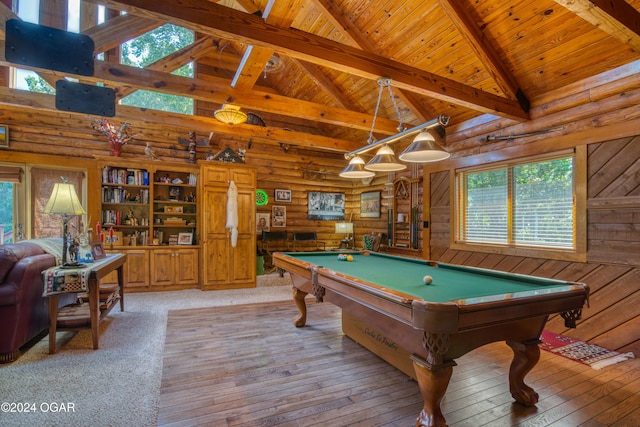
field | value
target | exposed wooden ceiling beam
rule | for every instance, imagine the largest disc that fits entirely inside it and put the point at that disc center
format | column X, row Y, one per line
column 176, row 60
column 280, row 13
column 219, row 91
column 615, row 17
column 115, row 31
column 220, row 21
column 39, row 101
column 356, row 38
column 485, row 52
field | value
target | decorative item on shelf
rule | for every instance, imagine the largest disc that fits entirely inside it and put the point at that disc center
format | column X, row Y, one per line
column 64, row 201
column 185, row 238
column 192, row 143
column 150, row 152
column 230, row 114
column 116, row 137
column 227, row 155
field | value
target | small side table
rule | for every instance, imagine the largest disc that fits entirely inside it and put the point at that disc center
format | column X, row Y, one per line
column 86, row 316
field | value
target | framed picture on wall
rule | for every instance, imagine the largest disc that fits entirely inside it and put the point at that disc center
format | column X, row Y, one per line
column 328, row 206
column 278, row 216
column 283, row 195
column 370, row 204
column 263, row 222
column 4, row 136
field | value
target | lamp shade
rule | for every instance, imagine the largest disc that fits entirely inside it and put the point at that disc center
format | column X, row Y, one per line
column 355, row 169
column 230, row 114
column 344, row 227
column 64, row 200
column 424, row 149
column 384, row 161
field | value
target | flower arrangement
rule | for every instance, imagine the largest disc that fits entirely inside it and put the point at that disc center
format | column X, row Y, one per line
column 116, row 138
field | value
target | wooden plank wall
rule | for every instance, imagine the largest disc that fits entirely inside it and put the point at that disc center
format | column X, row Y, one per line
column 612, row 270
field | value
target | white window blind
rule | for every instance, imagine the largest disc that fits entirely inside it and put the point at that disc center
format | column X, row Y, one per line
column 528, row 204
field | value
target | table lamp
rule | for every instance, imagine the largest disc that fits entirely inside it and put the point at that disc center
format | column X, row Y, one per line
column 64, row 201
column 347, row 229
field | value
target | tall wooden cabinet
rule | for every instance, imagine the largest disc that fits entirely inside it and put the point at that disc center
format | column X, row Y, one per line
column 225, row 266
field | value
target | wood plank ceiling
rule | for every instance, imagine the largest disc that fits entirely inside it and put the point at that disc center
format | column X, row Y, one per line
column 309, row 68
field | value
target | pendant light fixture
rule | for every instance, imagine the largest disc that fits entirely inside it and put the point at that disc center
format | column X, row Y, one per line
column 424, row 148
column 355, row 169
column 230, row 114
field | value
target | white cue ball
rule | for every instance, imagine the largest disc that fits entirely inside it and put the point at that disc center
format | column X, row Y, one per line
column 427, row 280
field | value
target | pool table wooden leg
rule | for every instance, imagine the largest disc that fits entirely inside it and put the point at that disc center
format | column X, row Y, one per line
column 298, row 297
column 525, row 357
column 433, row 382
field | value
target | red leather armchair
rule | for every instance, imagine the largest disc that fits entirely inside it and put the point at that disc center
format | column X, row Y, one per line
column 23, row 310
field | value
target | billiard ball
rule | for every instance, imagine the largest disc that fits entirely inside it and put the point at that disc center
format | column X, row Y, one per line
column 427, row 280
column 349, row 258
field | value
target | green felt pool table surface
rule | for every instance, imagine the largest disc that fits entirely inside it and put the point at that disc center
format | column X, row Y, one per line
column 450, row 282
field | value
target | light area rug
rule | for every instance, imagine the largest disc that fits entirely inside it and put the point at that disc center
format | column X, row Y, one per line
column 588, row 354
column 118, row 384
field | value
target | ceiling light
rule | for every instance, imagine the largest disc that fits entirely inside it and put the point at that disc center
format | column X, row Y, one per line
column 384, row 161
column 230, row 114
column 424, row 149
column 355, row 169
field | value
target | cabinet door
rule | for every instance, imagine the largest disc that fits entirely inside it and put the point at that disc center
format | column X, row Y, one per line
column 216, row 259
column 162, row 270
column 186, row 266
column 243, row 256
column 136, row 269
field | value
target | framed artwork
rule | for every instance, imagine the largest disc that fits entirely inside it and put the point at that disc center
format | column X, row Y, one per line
column 283, row 195
column 185, row 238
column 263, row 222
column 115, row 240
column 326, row 205
column 4, row 136
column 370, row 204
column 97, row 250
column 175, row 193
column 279, row 216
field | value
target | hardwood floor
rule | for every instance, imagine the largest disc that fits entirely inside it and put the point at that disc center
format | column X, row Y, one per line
column 249, row 366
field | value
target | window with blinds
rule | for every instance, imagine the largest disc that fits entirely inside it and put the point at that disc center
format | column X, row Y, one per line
column 525, row 204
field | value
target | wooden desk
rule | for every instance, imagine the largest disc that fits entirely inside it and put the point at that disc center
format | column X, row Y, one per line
column 91, row 314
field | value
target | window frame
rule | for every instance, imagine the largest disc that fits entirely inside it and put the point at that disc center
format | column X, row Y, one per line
column 579, row 194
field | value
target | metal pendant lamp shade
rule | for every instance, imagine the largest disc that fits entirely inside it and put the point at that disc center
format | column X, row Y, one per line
column 385, row 161
column 424, row 149
column 355, row 169
column 230, row 114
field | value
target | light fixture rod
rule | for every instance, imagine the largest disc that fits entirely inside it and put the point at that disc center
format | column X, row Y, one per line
column 442, row 120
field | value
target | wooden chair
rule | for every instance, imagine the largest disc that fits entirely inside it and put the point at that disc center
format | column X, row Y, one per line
column 273, row 241
column 307, row 241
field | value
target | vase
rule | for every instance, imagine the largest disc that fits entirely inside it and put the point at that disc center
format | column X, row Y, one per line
column 115, row 151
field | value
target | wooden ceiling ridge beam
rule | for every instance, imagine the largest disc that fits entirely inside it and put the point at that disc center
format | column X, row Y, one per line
column 485, row 52
column 39, row 101
column 221, row 21
column 615, row 17
column 218, row 90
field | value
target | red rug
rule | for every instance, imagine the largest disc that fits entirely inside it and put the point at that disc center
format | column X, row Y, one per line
column 587, row 354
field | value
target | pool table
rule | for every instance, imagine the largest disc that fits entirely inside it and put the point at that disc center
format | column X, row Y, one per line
column 462, row 309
